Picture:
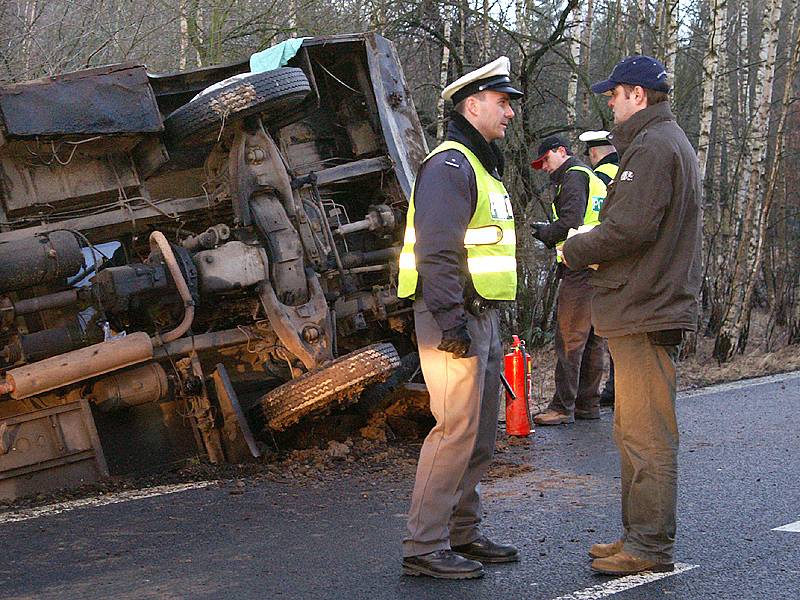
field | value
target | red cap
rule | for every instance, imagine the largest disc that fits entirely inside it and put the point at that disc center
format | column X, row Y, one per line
column 549, row 143
column 537, row 164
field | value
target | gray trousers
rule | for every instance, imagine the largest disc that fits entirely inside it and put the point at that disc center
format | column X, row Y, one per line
column 445, row 504
column 580, row 354
column 646, row 433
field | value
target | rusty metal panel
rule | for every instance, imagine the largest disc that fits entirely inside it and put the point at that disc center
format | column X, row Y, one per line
column 101, row 101
column 401, row 126
column 49, row 449
column 26, row 186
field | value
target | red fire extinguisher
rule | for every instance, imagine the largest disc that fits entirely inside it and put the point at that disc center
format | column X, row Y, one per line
column 517, row 382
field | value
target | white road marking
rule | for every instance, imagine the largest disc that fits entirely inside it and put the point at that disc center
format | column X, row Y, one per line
column 738, row 385
column 793, row 527
column 622, row 584
column 61, row 507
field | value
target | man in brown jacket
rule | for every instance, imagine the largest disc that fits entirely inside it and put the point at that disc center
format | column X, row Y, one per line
column 648, row 250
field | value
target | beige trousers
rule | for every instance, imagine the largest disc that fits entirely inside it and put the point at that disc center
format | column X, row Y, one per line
column 445, row 504
column 646, row 433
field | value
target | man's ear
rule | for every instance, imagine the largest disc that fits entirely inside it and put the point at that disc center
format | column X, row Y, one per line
column 641, row 95
column 472, row 105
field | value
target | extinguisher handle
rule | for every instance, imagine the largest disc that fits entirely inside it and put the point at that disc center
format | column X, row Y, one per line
column 508, row 387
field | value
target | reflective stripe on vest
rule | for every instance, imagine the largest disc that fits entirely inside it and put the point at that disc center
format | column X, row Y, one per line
column 490, row 239
column 594, row 202
column 609, row 169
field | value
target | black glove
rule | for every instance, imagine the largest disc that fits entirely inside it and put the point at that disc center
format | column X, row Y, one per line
column 537, row 228
column 456, row 341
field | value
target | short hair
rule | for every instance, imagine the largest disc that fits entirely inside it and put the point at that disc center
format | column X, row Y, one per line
column 653, row 96
column 606, row 148
column 461, row 107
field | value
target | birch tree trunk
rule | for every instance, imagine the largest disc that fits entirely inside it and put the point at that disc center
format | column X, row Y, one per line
column 292, row 24
column 443, row 77
column 716, row 221
column 183, row 37
column 462, row 24
column 485, row 48
column 575, row 54
column 641, row 24
column 520, row 17
column 30, row 8
column 671, row 39
column 711, row 79
column 744, row 57
column 586, row 50
column 772, row 180
column 732, row 336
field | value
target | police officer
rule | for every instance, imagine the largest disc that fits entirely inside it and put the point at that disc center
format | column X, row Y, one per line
column 601, row 153
column 457, row 261
column 605, row 161
column 579, row 352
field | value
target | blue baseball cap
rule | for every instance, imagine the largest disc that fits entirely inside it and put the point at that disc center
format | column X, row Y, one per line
column 645, row 71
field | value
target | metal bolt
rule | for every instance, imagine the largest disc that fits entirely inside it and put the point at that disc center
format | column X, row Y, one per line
column 310, row 333
column 255, row 155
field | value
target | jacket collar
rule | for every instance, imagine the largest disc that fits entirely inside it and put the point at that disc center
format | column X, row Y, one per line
column 623, row 134
column 462, row 131
column 557, row 175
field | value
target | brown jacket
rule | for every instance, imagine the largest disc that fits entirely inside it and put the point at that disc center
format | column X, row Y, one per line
column 648, row 244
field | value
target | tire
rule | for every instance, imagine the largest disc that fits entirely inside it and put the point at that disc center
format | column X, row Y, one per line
column 340, row 381
column 270, row 92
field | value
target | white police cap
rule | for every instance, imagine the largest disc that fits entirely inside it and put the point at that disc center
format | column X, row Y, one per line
column 595, row 136
column 493, row 76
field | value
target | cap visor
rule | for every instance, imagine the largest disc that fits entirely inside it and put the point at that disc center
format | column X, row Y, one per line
column 601, row 87
column 512, row 92
column 537, row 164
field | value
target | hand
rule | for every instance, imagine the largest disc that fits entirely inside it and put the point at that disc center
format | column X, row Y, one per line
column 456, row 341
column 537, row 228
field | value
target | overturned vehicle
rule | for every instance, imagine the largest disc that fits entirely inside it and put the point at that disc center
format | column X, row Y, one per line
column 190, row 261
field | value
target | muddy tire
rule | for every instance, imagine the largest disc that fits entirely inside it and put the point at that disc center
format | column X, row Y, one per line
column 338, row 382
column 272, row 92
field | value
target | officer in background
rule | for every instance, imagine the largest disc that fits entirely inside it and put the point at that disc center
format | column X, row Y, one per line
column 457, row 261
column 601, row 154
column 605, row 161
column 579, row 352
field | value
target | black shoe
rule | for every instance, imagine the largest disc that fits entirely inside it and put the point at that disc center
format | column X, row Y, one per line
column 485, row 550
column 442, row 564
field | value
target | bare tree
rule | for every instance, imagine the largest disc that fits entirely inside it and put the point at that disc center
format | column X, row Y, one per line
column 732, row 336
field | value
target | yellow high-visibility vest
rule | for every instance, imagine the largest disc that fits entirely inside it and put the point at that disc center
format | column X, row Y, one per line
column 597, row 195
column 490, row 239
column 609, row 169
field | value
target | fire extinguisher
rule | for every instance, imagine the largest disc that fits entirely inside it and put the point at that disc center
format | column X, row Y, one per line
column 517, row 381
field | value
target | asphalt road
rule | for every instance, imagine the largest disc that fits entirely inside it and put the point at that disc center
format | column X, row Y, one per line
column 739, row 463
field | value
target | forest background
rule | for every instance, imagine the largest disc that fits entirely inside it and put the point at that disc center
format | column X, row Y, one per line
column 734, row 67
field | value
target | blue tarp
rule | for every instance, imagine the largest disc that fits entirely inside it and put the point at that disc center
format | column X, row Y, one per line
column 276, row 56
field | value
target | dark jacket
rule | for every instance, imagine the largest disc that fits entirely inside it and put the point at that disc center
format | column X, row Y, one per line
column 648, row 243
column 570, row 202
column 445, row 197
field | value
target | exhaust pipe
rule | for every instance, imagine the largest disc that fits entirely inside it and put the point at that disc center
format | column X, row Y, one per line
column 85, row 363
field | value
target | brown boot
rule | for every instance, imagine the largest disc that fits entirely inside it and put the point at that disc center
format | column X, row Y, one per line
column 553, row 417
column 605, row 550
column 623, row 563
column 588, row 414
